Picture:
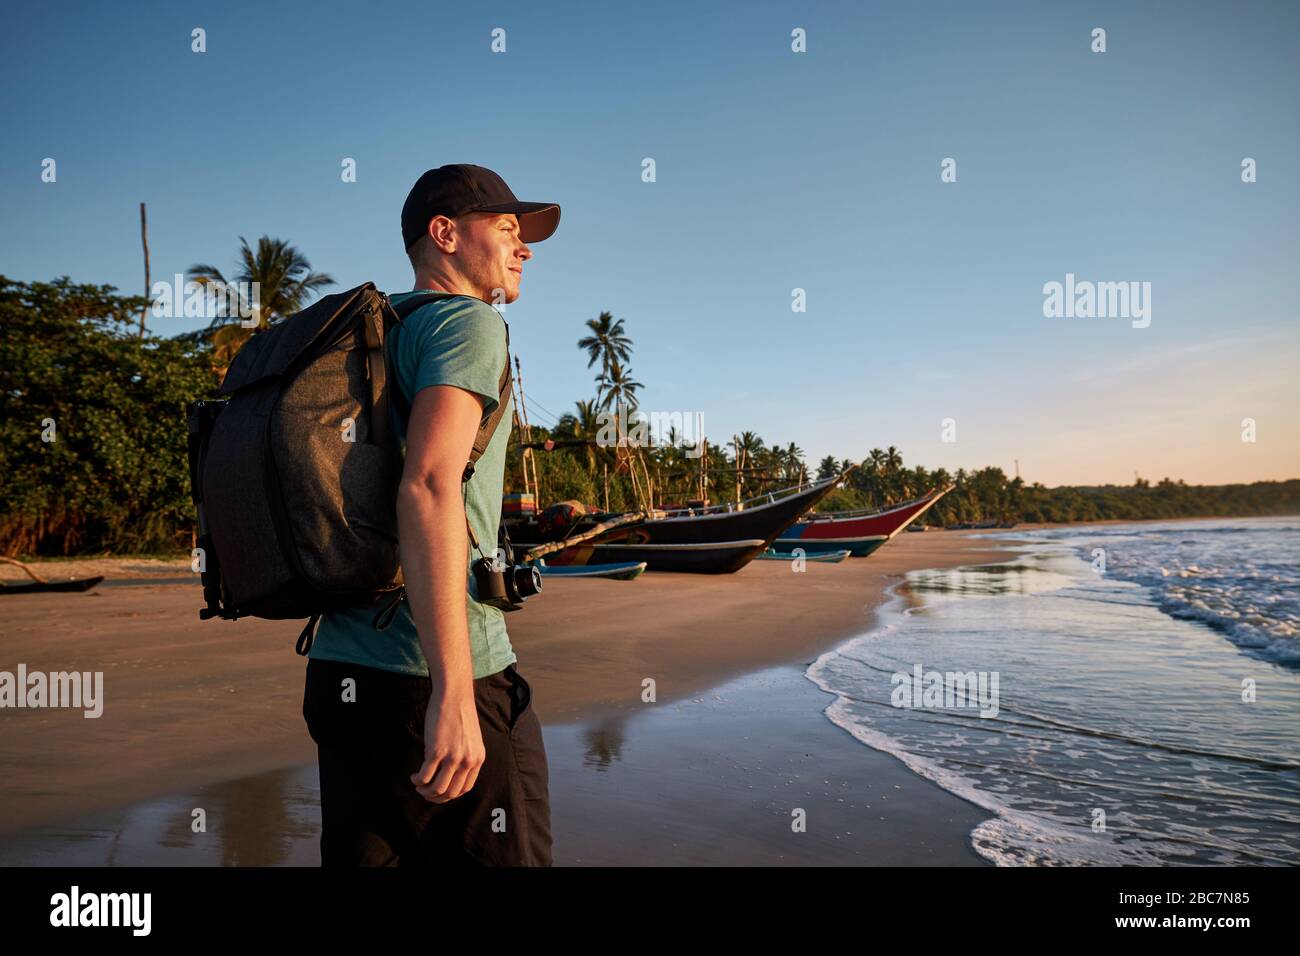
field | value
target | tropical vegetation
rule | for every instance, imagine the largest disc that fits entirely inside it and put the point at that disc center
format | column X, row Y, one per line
column 93, row 453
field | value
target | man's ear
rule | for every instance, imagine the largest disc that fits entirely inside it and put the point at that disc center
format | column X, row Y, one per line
column 441, row 232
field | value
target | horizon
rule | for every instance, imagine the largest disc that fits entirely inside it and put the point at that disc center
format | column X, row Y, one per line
column 776, row 171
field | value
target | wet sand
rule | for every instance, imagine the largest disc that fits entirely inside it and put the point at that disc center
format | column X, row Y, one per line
column 708, row 773
column 715, row 780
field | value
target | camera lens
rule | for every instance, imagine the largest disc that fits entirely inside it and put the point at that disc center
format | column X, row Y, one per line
column 528, row 580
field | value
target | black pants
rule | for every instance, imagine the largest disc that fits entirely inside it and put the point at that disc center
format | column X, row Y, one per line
column 371, row 814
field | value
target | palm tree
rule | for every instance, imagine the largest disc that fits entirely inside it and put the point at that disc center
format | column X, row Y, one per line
column 792, row 458
column 871, row 476
column 284, row 284
column 583, row 425
column 616, row 386
column 607, row 343
column 893, row 479
column 751, row 445
column 749, row 454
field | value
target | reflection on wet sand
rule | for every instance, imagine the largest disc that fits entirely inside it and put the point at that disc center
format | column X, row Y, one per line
column 603, row 743
column 1026, row 576
column 712, row 780
column 270, row 819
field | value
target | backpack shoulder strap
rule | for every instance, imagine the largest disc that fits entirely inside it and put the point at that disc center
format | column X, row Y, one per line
column 487, row 428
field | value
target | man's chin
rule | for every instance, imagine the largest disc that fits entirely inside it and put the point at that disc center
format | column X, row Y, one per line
column 503, row 295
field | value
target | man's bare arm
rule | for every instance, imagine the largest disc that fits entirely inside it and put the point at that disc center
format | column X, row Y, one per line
column 431, row 527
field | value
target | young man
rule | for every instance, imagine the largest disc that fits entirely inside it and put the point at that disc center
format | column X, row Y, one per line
column 430, row 752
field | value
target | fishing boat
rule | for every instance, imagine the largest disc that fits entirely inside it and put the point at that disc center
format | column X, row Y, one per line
column 859, row 532
column 720, row 539
column 823, row 557
column 618, row 572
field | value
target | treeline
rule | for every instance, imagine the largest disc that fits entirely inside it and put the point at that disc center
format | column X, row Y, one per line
column 988, row 495
column 880, row 479
column 93, row 455
column 93, row 445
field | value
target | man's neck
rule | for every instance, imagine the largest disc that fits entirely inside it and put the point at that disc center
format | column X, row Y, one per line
column 429, row 283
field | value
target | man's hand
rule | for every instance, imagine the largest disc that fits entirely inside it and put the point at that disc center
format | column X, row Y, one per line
column 453, row 746
column 431, row 531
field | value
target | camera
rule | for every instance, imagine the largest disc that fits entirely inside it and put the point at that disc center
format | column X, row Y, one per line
column 501, row 583
column 505, row 586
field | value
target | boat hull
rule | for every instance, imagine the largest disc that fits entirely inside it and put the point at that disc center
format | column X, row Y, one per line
column 856, row 547
column 711, row 543
column 861, row 535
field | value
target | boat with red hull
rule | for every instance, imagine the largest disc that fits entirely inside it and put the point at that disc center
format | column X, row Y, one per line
column 717, row 540
column 859, row 532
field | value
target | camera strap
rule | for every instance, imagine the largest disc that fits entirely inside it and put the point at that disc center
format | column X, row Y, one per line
column 473, row 539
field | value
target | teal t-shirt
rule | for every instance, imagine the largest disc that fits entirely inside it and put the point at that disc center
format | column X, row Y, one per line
column 458, row 341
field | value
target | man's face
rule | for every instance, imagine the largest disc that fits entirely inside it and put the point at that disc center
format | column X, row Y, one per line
column 492, row 254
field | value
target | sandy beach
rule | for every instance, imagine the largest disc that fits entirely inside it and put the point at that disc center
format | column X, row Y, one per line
column 194, row 706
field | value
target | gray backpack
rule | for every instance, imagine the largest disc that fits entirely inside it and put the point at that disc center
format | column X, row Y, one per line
column 294, row 474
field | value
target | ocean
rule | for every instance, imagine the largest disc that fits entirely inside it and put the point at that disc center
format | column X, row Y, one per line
column 1119, row 694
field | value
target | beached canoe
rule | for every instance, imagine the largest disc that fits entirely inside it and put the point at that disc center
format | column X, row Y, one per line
column 861, row 532
column 618, row 572
column 823, row 557
column 36, row 587
column 718, row 540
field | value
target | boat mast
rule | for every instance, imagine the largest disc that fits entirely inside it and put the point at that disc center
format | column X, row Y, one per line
column 526, row 434
column 704, row 473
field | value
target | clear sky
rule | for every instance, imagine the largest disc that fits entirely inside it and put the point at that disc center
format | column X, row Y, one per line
column 775, row 171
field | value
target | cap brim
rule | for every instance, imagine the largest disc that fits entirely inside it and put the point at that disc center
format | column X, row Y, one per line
column 537, row 220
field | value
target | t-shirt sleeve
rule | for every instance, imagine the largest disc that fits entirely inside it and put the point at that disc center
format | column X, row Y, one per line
column 461, row 344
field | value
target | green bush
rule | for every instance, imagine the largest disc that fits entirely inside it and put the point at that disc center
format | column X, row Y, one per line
column 115, row 477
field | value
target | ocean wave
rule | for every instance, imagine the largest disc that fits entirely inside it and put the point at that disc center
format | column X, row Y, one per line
column 1240, row 578
column 1115, row 707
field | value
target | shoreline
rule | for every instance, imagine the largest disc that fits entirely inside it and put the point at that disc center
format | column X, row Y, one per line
column 194, row 704
column 177, row 565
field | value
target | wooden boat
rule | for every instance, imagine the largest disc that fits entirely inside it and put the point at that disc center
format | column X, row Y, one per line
column 824, row 557
column 618, row 572
column 38, row 584
column 860, row 532
column 718, row 540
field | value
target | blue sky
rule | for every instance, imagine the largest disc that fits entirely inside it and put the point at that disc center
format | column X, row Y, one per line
column 775, row 171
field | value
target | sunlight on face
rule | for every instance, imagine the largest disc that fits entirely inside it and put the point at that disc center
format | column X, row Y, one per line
column 493, row 254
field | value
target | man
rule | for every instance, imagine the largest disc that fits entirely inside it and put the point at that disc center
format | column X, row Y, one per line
column 430, row 751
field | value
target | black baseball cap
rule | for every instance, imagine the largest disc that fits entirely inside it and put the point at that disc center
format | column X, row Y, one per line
column 461, row 188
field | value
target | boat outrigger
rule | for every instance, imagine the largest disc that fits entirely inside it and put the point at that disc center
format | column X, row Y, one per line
column 859, row 532
column 618, row 572
column 38, row 584
column 824, row 557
